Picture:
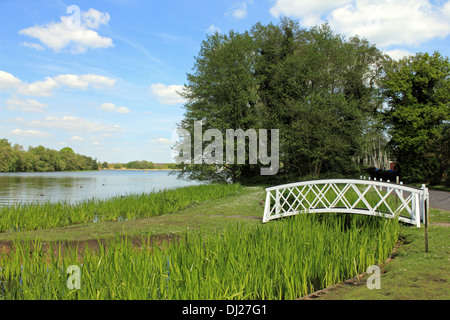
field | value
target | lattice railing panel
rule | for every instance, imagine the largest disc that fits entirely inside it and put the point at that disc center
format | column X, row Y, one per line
column 353, row 196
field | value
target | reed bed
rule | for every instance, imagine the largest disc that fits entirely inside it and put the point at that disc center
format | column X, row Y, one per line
column 25, row 217
column 283, row 259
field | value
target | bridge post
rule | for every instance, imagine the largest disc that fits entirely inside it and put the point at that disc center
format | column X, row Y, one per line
column 416, row 209
column 266, row 208
column 425, row 214
column 277, row 204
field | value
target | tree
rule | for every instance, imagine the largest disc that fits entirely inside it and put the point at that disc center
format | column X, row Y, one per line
column 8, row 157
column 318, row 88
column 41, row 159
column 221, row 92
column 417, row 89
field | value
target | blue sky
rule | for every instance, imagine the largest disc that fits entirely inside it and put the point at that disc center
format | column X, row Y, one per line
column 101, row 76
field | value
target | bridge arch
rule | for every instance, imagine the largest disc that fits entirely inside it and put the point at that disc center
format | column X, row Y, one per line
column 367, row 197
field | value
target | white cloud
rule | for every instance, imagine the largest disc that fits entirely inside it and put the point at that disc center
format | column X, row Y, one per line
column 83, row 81
column 27, row 105
column 15, row 120
column 98, row 81
column 7, row 80
column 386, row 23
column 398, row 54
column 30, row 133
column 76, row 138
column 35, row 46
column 46, row 87
column 161, row 140
column 65, row 34
column 213, row 29
column 111, row 107
column 108, row 135
column 93, row 18
column 74, row 125
column 39, row 88
column 238, row 10
column 72, row 81
column 383, row 22
column 305, row 8
column 167, row 94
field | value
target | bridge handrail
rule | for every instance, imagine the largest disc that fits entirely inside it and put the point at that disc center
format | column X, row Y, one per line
column 354, row 181
column 418, row 198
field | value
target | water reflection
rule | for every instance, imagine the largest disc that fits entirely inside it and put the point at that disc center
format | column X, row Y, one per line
column 76, row 186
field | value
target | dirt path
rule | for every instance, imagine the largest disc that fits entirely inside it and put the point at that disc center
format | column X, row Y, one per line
column 93, row 244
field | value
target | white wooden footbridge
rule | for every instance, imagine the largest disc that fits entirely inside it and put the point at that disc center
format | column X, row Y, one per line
column 368, row 197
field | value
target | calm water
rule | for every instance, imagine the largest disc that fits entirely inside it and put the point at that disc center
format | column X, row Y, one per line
column 76, row 186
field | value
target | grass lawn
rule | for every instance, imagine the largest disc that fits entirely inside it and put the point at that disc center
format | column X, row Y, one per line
column 410, row 274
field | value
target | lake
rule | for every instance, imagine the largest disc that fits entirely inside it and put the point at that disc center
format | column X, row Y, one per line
column 26, row 187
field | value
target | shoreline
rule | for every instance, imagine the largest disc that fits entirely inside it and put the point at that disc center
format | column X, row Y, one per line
column 125, row 169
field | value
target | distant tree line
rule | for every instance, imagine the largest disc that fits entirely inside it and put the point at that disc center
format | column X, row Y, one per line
column 140, row 165
column 40, row 159
column 336, row 101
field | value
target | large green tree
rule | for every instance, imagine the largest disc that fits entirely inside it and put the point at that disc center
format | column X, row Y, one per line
column 221, row 92
column 316, row 87
column 417, row 89
column 320, row 90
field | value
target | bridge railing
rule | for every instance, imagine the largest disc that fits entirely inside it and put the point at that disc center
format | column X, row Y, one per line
column 366, row 197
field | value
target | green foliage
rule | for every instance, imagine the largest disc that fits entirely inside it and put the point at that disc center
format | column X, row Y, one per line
column 440, row 152
column 318, row 88
column 283, row 259
column 222, row 93
column 23, row 217
column 170, row 166
column 41, row 159
column 117, row 166
column 418, row 93
column 140, row 165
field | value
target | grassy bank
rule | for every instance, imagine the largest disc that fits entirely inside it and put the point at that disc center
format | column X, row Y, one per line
column 243, row 261
column 269, row 261
column 53, row 215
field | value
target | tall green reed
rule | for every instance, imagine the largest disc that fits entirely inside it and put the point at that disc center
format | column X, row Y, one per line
column 283, row 259
column 24, row 217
